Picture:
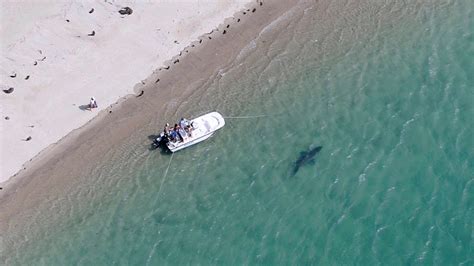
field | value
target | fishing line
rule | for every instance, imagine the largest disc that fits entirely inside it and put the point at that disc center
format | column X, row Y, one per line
column 166, row 174
column 243, row 117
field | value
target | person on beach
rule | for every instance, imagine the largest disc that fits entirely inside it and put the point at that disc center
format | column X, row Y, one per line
column 92, row 103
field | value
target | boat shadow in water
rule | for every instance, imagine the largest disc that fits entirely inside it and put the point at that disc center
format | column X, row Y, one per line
column 305, row 158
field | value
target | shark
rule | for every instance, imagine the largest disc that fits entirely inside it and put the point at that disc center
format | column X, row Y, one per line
column 306, row 157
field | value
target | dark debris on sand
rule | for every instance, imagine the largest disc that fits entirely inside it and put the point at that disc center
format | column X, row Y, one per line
column 126, row 11
column 9, row 90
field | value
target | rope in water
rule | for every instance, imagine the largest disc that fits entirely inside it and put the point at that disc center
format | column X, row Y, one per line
column 166, row 174
column 243, row 117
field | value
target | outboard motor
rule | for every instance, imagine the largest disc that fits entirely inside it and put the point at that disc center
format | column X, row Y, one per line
column 161, row 141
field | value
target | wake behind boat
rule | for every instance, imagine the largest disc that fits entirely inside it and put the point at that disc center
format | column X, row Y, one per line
column 188, row 133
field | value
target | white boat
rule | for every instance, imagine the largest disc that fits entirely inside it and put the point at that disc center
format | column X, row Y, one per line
column 203, row 127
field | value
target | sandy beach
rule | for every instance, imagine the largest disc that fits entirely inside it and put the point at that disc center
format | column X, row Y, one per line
column 57, row 169
column 57, row 54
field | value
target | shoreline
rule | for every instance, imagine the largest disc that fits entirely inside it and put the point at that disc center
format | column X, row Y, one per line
column 55, row 169
column 57, row 55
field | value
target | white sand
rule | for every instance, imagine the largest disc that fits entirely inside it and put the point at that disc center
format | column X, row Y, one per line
column 72, row 66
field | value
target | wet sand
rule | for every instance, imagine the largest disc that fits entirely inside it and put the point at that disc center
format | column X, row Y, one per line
column 53, row 172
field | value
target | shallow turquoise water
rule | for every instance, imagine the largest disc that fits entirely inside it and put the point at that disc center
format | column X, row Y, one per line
column 386, row 88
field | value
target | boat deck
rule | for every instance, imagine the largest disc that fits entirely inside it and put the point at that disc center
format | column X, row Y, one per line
column 203, row 128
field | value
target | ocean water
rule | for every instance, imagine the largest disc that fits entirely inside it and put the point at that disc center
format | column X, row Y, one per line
column 385, row 87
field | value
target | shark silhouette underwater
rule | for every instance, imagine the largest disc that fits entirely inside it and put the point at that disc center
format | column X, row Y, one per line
column 306, row 157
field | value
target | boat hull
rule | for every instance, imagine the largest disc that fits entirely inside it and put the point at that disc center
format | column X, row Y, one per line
column 203, row 128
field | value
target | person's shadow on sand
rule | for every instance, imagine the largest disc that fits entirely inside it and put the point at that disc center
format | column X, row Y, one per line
column 84, row 107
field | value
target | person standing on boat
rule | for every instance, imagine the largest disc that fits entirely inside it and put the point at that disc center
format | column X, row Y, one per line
column 184, row 124
column 173, row 136
column 166, row 130
column 177, row 129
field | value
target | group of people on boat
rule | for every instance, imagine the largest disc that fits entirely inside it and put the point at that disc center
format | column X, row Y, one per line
column 182, row 130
